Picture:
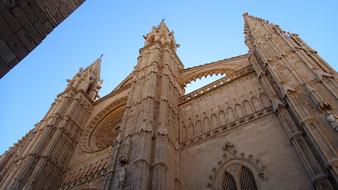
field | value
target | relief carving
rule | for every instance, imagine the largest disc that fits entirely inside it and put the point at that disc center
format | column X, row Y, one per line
column 232, row 163
column 104, row 128
column 333, row 120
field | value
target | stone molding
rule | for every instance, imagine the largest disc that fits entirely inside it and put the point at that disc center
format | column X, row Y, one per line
column 232, row 155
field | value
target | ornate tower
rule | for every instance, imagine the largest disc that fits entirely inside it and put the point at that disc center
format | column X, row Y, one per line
column 39, row 160
column 303, row 89
column 147, row 156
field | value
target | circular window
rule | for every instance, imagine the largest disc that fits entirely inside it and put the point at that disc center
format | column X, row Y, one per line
column 103, row 129
column 106, row 133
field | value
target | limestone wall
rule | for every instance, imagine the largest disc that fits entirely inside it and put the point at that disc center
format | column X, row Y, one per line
column 264, row 139
column 239, row 112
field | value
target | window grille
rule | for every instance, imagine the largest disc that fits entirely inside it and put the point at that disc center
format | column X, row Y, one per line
column 247, row 180
column 228, row 182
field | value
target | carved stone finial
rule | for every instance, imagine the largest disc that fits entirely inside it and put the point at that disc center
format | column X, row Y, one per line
column 287, row 89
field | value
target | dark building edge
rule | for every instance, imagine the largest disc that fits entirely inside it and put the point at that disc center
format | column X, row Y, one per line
column 25, row 23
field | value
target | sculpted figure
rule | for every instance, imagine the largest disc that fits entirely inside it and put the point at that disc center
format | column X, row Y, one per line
column 333, row 120
column 121, row 177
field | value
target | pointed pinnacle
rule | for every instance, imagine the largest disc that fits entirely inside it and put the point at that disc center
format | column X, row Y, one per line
column 163, row 24
column 95, row 66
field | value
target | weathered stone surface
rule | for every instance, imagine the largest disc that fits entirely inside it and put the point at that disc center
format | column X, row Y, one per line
column 270, row 123
column 24, row 24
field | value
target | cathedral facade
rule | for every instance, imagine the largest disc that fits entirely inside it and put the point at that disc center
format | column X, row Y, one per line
column 270, row 123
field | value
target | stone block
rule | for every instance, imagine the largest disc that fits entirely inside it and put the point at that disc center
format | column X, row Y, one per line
column 28, row 11
column 40, row 28
column 3, row 68
column 6, row 54
column 13, row 63
column 27, row 25
column 48, row 26
column 26, row 39
column 36, row 9
column 12, row 40
column 12, row 21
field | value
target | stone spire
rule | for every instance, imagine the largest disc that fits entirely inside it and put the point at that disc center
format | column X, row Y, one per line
column 51, row 143
column 251, row 23
column 294, row 75
column 95, row 67
column 88, row 79
column 161, row 34
column 151, row 118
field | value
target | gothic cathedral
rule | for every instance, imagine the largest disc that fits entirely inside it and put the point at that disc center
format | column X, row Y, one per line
column 270, row 123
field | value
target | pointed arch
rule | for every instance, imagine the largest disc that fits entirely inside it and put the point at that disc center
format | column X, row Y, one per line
column 214, row 121
column 247, row 107
column 184, row 133
column 265, row 100
column 230, row 114
column 206, row 124
column 198, row 126
column 191, row 131
column 239, row 111
column 256, row 104
column 238, row 169
column 221, row 117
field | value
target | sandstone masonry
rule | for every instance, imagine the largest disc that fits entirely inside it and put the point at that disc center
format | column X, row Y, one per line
column 270, row 123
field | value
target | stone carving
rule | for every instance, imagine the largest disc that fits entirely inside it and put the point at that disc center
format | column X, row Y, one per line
column 104, row 128
column 121, row 175
column 333, row 120
column 89, row 170
column 223, row 117
column 107, row 133
column 232, row 162
column 317, row 99
column 146, row 134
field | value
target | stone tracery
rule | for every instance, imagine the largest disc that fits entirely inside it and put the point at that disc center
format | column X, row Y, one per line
column 103, row 129
column 237, row 171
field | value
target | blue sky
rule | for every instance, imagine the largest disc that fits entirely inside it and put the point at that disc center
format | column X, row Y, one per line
column 207, row 31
